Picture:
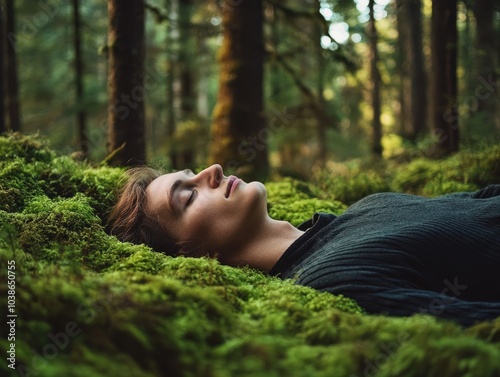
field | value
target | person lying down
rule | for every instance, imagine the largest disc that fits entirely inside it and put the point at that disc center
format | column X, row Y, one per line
column 395, row 254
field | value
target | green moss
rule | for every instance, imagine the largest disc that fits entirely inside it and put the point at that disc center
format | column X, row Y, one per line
column 349, row 183
column 465, row 171
column 134, row 312
column 28, row 148
column 295, row 201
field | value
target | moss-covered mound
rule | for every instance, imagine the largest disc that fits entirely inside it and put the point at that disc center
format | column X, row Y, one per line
column 89, row 305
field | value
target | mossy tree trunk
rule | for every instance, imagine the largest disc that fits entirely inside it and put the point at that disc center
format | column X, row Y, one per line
column 321, row 119
column 126, row 90
column 11, row 69
column 414, row 79
column 239, row 133
column 81, row 116
column 485, row 56
column 170, row 5
column 375, row 81
column 187, row 51
column 444, row 76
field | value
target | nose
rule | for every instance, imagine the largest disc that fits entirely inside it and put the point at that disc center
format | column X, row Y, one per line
column 212, row 175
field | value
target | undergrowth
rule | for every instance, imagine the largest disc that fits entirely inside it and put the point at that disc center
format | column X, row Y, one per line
column 89, row 305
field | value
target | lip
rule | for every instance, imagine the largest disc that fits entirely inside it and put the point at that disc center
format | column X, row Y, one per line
column 232, row 182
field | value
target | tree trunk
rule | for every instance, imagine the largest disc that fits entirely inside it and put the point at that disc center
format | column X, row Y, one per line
column 321, row 120
column 413, row 76
column 444, row 70
column 171, row 65
column 239, row 134
column 126, row 92
column 11, row 65
column 81, row 116
column 487, row 98
column 404, row 70
column 375, row 79
column 187, row 49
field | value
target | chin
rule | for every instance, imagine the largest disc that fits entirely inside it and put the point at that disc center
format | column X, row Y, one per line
column 259, row 189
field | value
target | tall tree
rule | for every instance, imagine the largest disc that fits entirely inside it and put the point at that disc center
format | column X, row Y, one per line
column 171, row 62
column 485, row 61
column 444, row 76
column 187, row 51
column 11, row 69
column 321, row 120
column 415, row 91
column 126, row 91
column 239, row 135
column 376, row 81
column 81, row 116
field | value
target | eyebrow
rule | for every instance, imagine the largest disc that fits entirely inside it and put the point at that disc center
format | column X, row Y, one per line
column 173, row 189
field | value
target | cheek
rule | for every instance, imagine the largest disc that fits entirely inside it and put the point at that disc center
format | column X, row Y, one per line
column 214, row 223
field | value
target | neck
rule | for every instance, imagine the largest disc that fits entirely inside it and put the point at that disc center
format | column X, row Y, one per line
column 265, row 246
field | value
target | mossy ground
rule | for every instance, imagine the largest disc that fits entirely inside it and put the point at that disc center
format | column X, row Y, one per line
column 88, row 305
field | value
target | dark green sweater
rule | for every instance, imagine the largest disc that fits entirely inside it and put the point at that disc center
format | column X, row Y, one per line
column 400, row 254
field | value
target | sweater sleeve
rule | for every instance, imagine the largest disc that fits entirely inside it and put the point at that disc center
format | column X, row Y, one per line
column 484, row 193
column 487, row 192
column 405, row 302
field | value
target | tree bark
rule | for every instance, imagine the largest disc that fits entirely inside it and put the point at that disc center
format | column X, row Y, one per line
column 187, row 49
column 126, row 91
column 11, row 65
column 444, row 70
column 413, row 75
column 81, row 116
column 322, row 121
column 375, row 79
column 239, row 133
column 171, row 52
column 485, row 62
column 404, row 70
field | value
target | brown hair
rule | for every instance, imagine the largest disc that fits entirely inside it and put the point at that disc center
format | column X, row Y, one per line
column 130, row 219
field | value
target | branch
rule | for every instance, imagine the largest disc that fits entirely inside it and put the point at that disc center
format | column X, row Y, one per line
column 158, row 12
column 314, row 101
column 291, row 12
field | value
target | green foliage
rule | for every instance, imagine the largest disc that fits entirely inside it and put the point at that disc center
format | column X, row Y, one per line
column 465, row 171
column 89, row 305
column 296, row 201
column 349, row 183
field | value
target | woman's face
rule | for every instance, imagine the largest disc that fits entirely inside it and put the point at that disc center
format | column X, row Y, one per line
column 207, row 212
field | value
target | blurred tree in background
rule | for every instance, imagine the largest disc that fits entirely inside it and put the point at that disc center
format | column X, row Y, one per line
column 126, row 84
column 317, row 85
column 239, row 132
column 444, row 44
column 81, row 116
column 12, row 91
column 413, row 102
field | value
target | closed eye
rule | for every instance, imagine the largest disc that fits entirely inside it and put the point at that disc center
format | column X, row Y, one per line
column 191, row 198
